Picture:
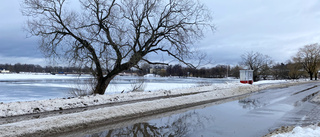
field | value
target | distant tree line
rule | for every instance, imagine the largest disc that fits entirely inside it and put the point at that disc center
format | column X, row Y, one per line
column 305, row 64
column 263, row 66
column 17, row 68
column 289, row 70
column 219, row 71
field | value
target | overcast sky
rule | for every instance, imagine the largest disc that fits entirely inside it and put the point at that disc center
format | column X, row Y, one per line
column 277, row 28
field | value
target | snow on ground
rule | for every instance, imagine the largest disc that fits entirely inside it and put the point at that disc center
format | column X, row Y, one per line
column 28, row 107
column 66, row 122
column 309, row 131
column 217, row 90
column 62, row 123
column 316, row 99
column 40, row 86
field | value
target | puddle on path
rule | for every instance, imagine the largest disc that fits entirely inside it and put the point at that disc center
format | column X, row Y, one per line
column 250, row 117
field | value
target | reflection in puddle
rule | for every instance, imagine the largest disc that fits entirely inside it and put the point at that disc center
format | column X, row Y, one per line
column 173, row 126
column 249, row 103
column 210, row 121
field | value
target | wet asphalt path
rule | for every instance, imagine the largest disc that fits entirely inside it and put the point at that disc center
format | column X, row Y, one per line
column 251, row 116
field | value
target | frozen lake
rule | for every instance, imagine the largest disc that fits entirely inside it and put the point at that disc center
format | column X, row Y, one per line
column 27, row 87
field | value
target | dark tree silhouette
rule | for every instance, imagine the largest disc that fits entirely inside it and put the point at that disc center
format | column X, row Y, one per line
column 309, row 57
column 112, row 36
column 256, row 62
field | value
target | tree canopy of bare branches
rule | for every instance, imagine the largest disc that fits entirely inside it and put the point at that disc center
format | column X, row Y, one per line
column 257, row 62
column 111, row 36
column 309, row 58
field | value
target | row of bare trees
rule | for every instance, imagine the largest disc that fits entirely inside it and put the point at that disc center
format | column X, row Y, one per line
column 307, row 60
column 259, row 63
column 306, row 63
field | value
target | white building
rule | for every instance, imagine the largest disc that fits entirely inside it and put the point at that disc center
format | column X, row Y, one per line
column 5, row 71
column 246, row 76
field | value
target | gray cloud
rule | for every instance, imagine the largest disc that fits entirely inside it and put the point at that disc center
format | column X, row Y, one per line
column 272, row 27
column 14, row 44
column 275, row 28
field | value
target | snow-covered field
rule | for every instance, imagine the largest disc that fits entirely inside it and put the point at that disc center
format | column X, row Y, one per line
column 28, row 107
column 61, row 123
column 41, row 86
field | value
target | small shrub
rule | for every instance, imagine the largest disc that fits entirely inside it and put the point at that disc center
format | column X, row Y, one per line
column 138, row 85
column 84, row 89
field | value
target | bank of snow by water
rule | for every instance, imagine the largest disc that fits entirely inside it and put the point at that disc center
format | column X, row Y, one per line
column 41, row 86
column 215, row 91
column 67, row 122
column 29, row 107
column 308, row 131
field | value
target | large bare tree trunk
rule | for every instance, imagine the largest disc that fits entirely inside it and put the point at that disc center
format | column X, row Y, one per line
column 102, row 85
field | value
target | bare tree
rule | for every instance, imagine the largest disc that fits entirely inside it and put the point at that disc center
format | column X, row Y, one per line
column 234, row 72
column 309, row 57
column 115, row 35
column 265, row 71
column 294, row 70
column 257, row 62
column 280, row 71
